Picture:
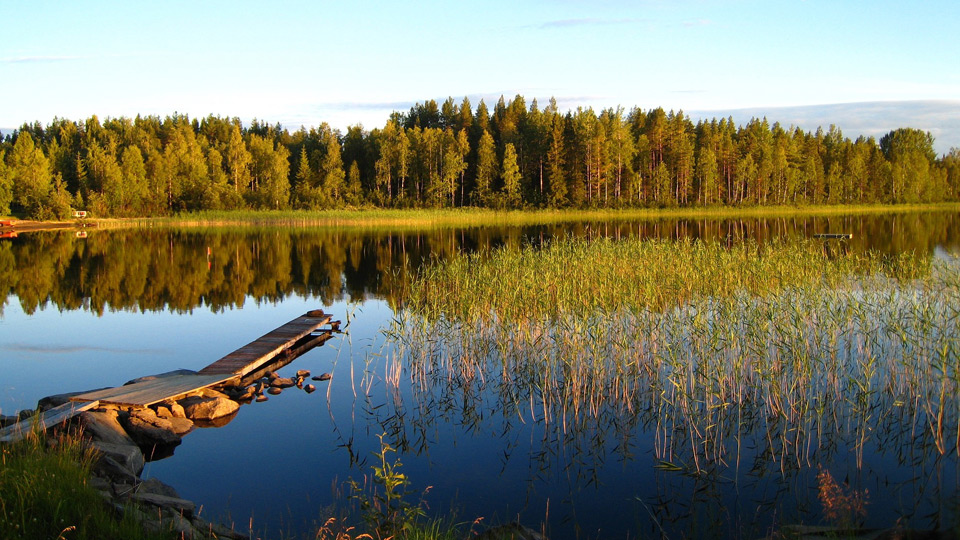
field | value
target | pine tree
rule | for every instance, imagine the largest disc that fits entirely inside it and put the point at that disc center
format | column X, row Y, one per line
column 486, row 170
column 556, row 177
column 511, row 178
column 6, row 186
column 29, row 171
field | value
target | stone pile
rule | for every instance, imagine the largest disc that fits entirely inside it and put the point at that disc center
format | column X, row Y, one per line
column 272, row 383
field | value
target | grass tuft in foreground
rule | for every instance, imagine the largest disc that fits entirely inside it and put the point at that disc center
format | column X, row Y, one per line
column 45, row 493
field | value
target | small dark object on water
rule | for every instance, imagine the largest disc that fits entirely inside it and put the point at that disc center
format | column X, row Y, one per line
column 274, row 390
column 323, row 377
column 303, row 373
column 261, row 398
column 309, row 388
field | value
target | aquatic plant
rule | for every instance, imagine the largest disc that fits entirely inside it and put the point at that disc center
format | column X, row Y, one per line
column 779, row 354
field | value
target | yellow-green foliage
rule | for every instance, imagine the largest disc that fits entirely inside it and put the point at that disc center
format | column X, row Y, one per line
column 577, row 275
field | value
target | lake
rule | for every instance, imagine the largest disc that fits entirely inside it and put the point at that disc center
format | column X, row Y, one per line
column 83, row 313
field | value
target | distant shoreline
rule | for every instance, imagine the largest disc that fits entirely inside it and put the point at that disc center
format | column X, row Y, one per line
column 469, row 217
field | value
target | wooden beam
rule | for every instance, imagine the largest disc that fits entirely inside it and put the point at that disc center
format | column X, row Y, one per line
column 45, row 419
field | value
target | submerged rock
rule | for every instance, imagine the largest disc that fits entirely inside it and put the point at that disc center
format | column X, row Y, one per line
column 282, row 382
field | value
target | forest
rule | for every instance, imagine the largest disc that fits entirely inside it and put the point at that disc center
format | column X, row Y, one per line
column 454, row 155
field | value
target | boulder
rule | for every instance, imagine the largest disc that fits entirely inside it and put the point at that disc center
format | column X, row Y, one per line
column 309, row 388
column 273, row 390
column 103, row 425
column 153, row 434
column 181, row 426
column 206, row 409
column 261, row 399
column 170, row 409
column 56, row 400
column 303, row 373
column 160, row 376
column 323, row 377
column 117, row 461
column 156, row 487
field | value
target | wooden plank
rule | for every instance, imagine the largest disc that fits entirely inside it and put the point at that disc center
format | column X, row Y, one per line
column 47, row 419
column 832, row 236
column 147, row 393
column 260, row 351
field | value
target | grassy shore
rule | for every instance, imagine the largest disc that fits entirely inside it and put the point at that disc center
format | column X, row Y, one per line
column 416, row 219
column 45, row 492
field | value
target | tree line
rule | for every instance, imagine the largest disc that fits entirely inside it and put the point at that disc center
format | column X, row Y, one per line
column 453, row 155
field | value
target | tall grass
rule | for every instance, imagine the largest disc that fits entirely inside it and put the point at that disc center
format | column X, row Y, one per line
column 45, row 493
column 783, row 349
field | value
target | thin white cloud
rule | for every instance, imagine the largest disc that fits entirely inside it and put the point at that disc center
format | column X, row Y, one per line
column 586, row 21
column 37, row 59
column 71, row 349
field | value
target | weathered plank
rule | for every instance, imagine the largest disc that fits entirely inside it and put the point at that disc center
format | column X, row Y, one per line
column 260, row 351
column 147, row 393
column 46, row 419
column 833, row 236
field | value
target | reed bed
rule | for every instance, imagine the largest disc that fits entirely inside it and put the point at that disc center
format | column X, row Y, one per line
column 784, row 351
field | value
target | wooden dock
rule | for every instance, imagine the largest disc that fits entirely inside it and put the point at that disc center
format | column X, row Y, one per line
column 281, row 345
column 44, row 420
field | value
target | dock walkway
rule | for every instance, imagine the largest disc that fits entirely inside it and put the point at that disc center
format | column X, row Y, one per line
column 272, row 350
column 290, row 340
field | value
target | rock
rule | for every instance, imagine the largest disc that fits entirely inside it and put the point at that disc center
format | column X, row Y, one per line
column 261, row 399
column 160, row 376
column 211, row 393
column 153, row 434
column 274, row 390
column 282, row 382
column 181, row 426
column 180, row 506
column 511, row 531
column 56, row 400
column 303, row 373
column 128, row 456
column 156, row 487
column 309, row 388
column 103, row 425
column 206, row 409
column 271, row 375
column 323, row 377
column 111, row 467
column 215, row 530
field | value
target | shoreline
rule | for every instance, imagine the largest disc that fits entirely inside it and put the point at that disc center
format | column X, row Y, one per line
column 406, row 219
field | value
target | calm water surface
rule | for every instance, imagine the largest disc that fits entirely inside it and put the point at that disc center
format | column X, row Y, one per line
column 87, row 313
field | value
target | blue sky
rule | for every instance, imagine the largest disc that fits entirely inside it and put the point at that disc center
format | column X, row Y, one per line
column 302, row 63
